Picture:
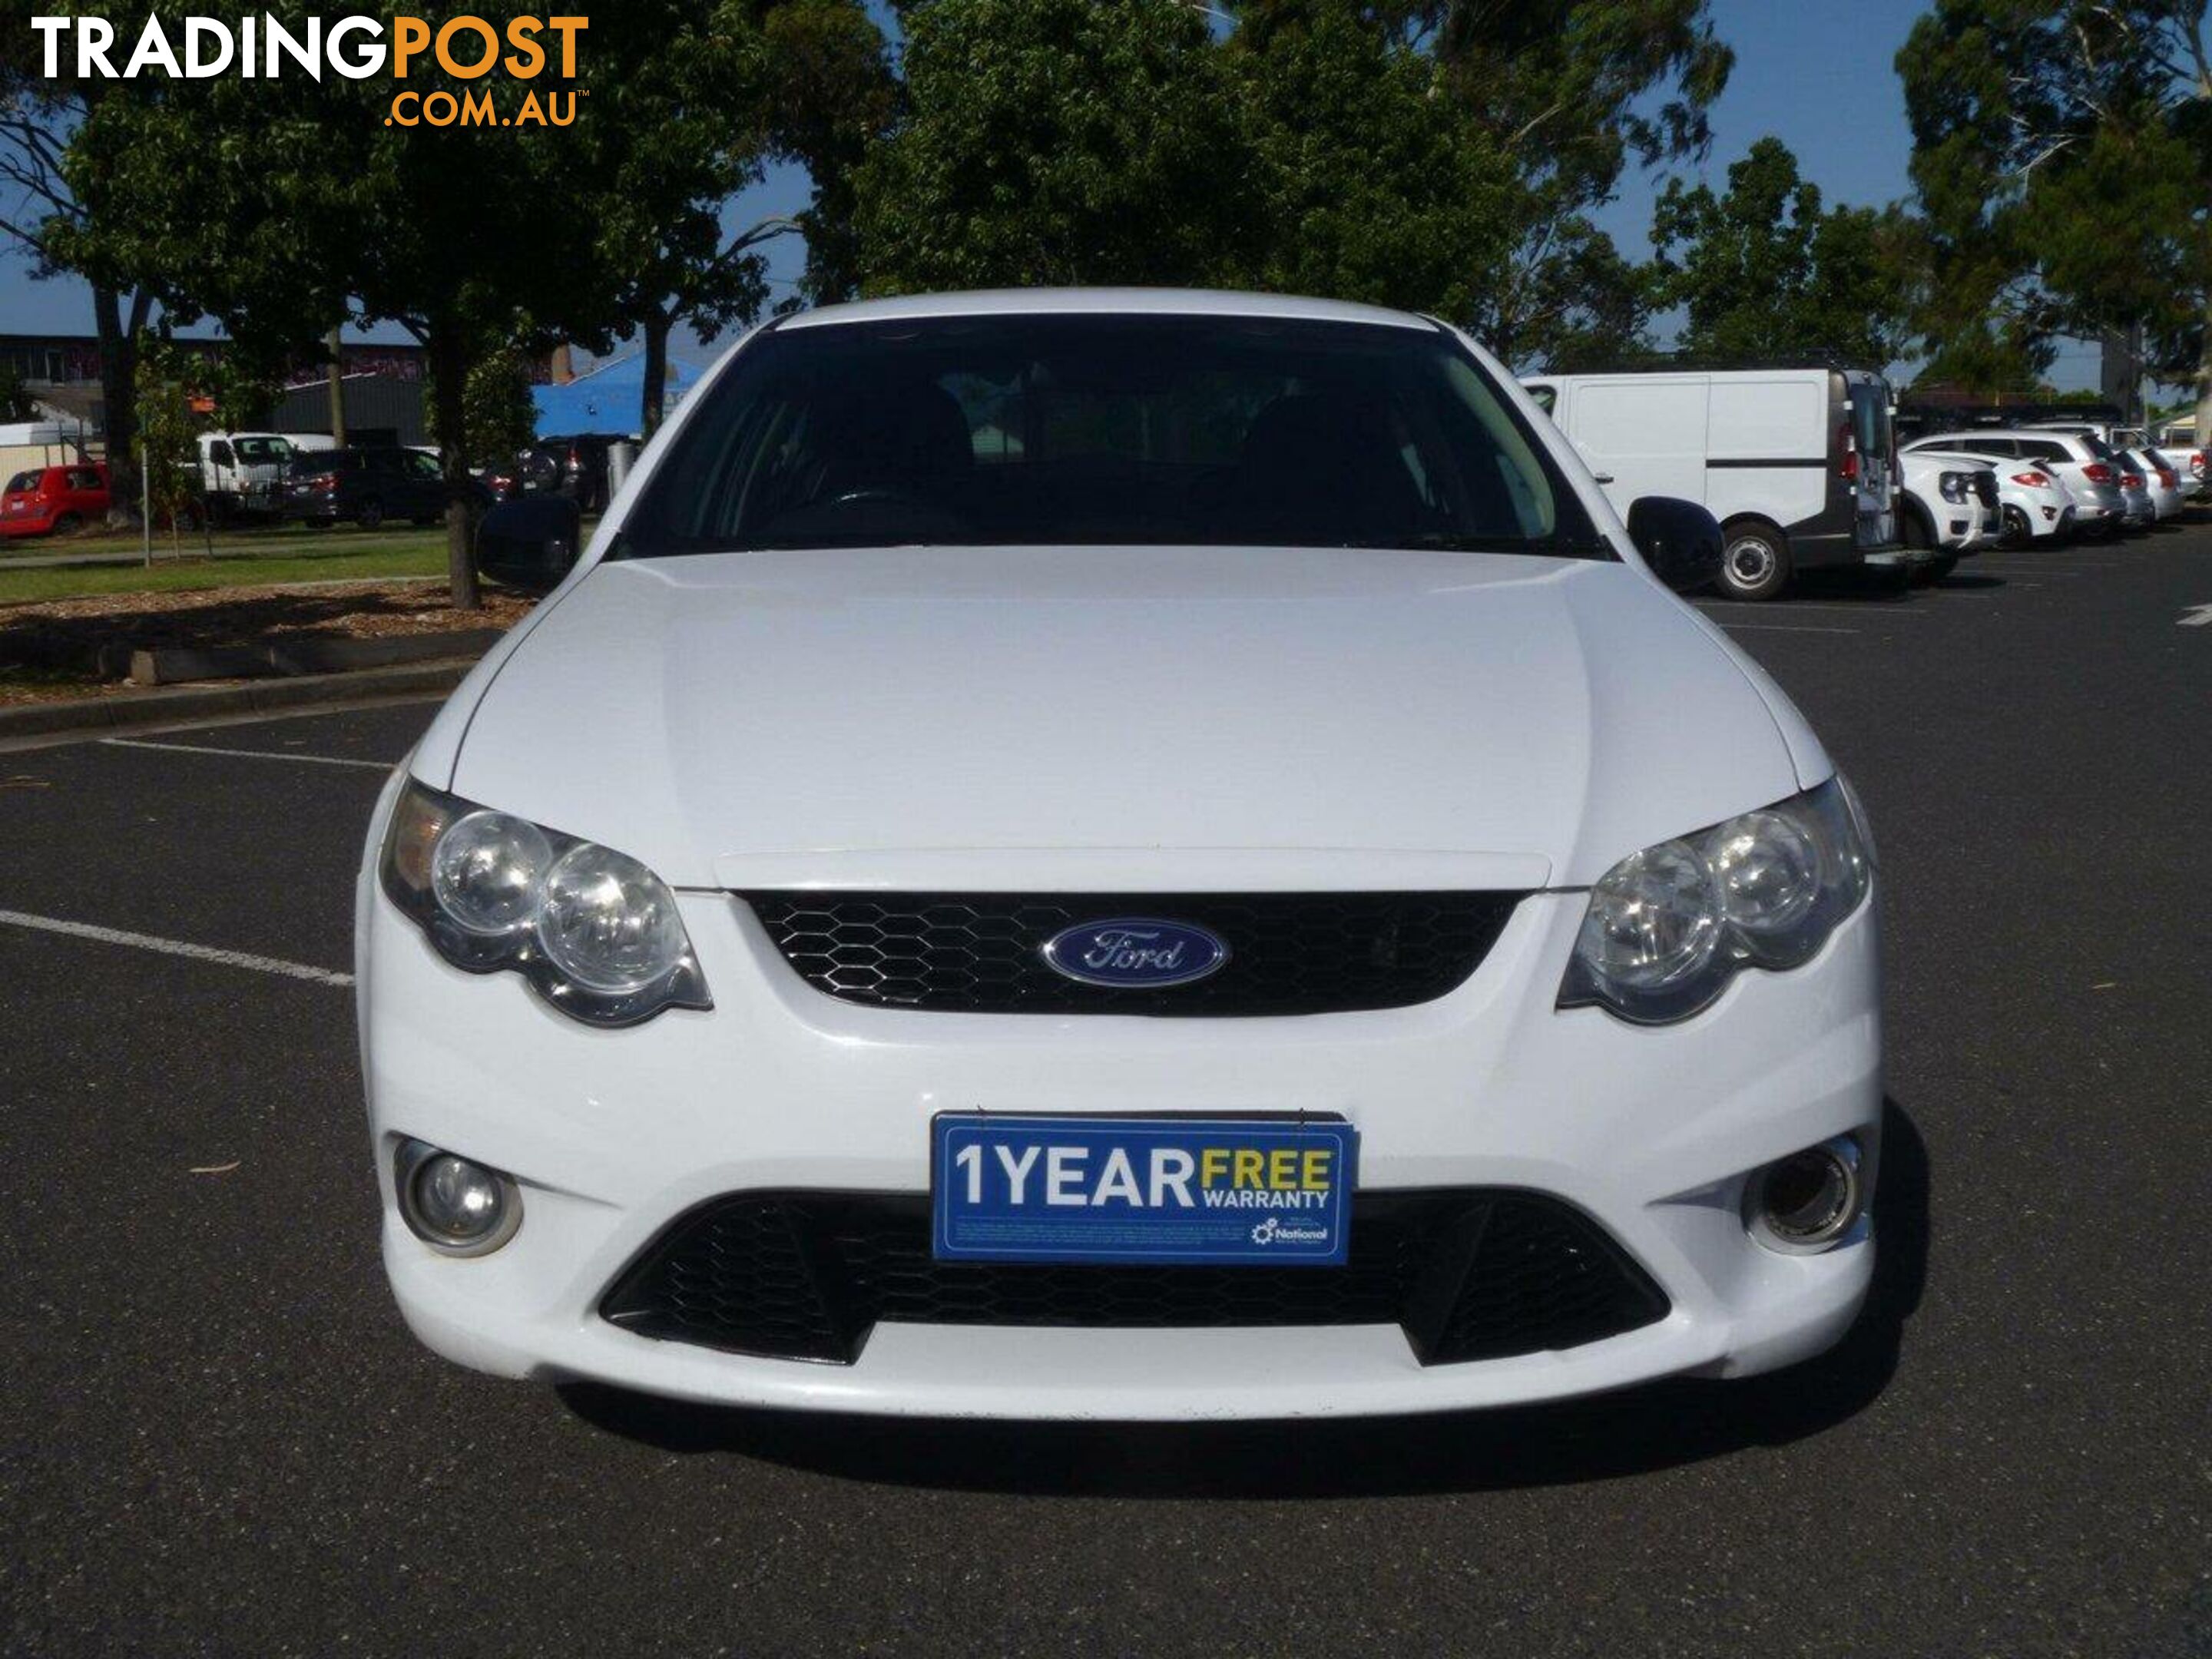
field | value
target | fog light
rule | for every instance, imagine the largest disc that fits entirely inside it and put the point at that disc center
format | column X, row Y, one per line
column 453, row 1205
column 1808, row 1201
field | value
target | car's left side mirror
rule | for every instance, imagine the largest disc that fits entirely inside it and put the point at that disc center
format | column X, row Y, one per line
column 1680, row 540
column 530, row 544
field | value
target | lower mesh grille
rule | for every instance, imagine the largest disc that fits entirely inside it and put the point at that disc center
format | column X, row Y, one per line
column 1470, row 1273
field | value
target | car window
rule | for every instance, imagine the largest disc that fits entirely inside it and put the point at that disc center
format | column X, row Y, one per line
column 2044, row 449
column 421, row 466
column 1869, row 411
column 1085, row 430
column 84, row 479
column 22, row 482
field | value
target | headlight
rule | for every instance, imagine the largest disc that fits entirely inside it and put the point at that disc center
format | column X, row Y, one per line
column 1669, row 927
column 595, row 933
column 1952, row 486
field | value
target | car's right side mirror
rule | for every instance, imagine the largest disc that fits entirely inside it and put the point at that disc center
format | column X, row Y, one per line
column 1679, row 540
column 530, row 543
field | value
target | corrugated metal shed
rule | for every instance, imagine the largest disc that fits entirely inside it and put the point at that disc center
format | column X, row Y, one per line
column 379, row 409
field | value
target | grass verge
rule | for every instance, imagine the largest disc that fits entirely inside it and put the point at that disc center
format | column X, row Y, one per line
column 424, row 556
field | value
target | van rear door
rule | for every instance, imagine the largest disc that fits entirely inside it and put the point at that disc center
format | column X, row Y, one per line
column 1642, row 436
column 1866, row 398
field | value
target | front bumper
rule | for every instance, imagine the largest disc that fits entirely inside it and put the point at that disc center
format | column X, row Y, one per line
column 612, row 1135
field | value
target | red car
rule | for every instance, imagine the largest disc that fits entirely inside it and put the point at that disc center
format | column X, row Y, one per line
column 51, row 498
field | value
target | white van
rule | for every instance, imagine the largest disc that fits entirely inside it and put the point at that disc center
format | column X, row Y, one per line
column 1795, row 462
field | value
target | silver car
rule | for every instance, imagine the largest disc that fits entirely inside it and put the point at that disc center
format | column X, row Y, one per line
column 2162, row 479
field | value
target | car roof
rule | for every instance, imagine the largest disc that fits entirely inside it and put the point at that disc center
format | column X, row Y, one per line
column 2002, row 432
column 1102, row 302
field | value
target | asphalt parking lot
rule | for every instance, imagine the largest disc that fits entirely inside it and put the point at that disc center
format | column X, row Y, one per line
column 221, row 1439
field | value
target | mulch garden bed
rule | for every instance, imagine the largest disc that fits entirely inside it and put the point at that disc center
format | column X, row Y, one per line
column 76, row 648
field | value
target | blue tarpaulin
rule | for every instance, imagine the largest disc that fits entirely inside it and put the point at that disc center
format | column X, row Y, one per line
column 607, row 399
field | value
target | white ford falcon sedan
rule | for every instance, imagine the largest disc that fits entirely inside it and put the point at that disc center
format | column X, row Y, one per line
column 1096, row 853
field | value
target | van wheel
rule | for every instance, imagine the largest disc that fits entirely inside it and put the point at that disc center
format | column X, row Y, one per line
column 1754, row 562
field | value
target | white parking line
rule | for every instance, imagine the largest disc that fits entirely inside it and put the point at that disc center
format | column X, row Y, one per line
column 175, row 947
column 1781, row 628
column 244, row 754
column 1792, row 608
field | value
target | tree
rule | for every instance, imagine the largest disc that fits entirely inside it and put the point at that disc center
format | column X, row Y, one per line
column 1376, row 187
column 1057, row 142
column 1574, row 93
column 279, row 205
column 168, row 445
column 1575, row 302
column 498, row 415
column 2060, row 156
column 730, row 89
column 37, row 117
column 1765, row 270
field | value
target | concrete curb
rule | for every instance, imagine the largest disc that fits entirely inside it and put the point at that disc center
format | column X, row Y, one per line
column 135, row 708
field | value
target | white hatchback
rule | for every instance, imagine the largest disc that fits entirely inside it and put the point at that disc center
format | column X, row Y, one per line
column 1119, row 854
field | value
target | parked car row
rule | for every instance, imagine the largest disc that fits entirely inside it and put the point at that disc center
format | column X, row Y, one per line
column 1802, row 468
column 368, row 485
column 574, row 465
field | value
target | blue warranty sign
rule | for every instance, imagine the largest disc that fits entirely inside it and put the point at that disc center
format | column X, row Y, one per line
column 1190, row 1191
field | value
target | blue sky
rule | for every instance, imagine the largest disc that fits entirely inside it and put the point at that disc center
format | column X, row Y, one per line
column 1820, row 79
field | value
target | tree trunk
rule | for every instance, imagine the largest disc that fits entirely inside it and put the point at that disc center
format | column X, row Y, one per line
column 449, row 374
column 2203, row 435
column 656, row 374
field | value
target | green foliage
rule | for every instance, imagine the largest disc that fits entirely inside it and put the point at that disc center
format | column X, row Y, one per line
column 1765, row 270
column 168, row 437
column 1058, row 141
column 1575, row 92
column 729, row 87
column 2060, row 155
column 498, row 415
column 1378, row 187
column 1436, row 156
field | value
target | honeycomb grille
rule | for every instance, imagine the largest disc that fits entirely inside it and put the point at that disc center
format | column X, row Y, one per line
column 1290, row 953
column 1474, row 1273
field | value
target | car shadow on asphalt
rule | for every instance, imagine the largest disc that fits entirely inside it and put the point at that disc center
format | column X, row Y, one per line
column 1659, row 1426
column 1869, row 588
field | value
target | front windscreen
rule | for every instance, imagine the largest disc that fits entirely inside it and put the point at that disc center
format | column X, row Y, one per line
column 1106, row 429
column 262, row 452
